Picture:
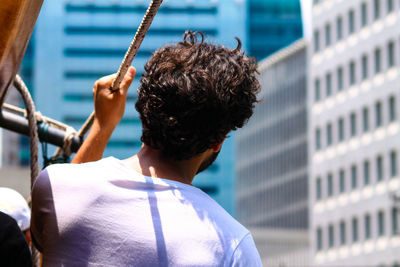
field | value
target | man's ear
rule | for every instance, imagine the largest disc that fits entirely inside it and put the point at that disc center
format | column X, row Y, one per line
column 217, row 147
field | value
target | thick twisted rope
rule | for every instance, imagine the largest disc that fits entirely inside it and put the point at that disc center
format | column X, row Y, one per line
column 34, row 140
column 129, row 56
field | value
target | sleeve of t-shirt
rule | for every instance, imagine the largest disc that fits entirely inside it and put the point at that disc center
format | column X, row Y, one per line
column 246, row 254
column 41, row 207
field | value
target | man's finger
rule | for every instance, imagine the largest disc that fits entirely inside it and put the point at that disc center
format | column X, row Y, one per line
column 127, row 81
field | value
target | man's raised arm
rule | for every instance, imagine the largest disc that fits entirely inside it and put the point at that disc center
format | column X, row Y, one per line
column 109, row 107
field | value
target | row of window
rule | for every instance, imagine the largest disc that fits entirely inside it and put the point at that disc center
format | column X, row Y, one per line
column 352, row 17
column 353, row 124
column 373, row 170
column 349, row 232
column 355, row 71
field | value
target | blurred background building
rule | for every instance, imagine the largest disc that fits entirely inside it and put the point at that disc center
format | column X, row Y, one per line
column 272, row 25
column 354, row 132
column 271, row 163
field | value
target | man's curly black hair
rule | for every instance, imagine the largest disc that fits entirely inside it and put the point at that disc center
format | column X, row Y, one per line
column 193, row 93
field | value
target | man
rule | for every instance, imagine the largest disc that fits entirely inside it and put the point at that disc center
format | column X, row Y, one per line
column 143, row 211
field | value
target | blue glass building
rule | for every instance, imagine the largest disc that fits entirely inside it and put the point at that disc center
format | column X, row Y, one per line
column 273, row 24
column 78, row 42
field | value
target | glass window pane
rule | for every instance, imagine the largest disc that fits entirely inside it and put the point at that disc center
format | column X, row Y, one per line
column 328, row 85
column 365, row 120
column 327, row 34
column 319, row 188
column 395, row 221
column 378, row 115
column 379, row 168
column 364, row 14
column 331, row 236
column 391, row 55
column 366, row 173
column 393, row 164
column 367, row 226
column 354, row 177
column 378, row 65
column 342, row 182
column 317, row 89
column 340, row 83
column 316, row 41
column 364, row 67
column 342, row 233
column 319, row 239
column 377, row 9
column 392, row 109
column 352, row 70
column 353, row 125
column 318, row 139
column 330, row 185
column 381, row 223
column 389, row 6
column 341, row 130
column 351, row 22
column 354, row 226
column 329, row 134
column 339, row 28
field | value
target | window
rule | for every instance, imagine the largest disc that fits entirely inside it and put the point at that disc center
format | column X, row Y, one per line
column 317, row 87
column 377, row 9
column 381, row 223
column 316, row 41
column 378, row 114
column 393, row 164
column 352, row 73
column 342, row 233
column 391, row 55
column 341, row 130
column 329, row 134
column 319, row 188
column 340, row 84
column 367, row 226
column 327, row 35
column 342, row 182
column 319, row 239
column 364, row 62
column 353, row 177
column 389, row 6
column 351, row 22
column 330, row 185
column 328, row 80
column 365, row 114
column 392, row 109
column 331, row 236
column 353, row 124
column 339, row 28
column 364, row 14
column 379, row 168
column 318, row 139
column 366, row 172
column 378, row 65
column 354, row 226
column 395, row 221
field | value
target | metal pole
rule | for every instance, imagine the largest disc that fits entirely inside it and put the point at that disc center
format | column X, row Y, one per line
column 47, row 134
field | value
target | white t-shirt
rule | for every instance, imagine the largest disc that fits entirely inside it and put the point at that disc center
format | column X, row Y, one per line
column 105, row 214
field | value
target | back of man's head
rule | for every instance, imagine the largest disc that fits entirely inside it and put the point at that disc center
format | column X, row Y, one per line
column 193, row 93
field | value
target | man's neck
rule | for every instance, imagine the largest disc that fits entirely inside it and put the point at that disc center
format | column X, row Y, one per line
column 150, row 162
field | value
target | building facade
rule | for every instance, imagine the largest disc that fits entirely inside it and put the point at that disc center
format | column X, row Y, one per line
column 78, row 42
column 354, row 132
column 271, row 165
column 272, row 25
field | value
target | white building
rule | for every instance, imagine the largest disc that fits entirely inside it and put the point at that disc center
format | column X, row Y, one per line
column 354, row 132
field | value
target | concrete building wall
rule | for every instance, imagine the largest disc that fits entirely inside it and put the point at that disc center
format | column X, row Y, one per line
column 271, row 165
column 354, row 144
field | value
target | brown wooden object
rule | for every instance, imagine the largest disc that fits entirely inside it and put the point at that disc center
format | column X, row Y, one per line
column 17, row 20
